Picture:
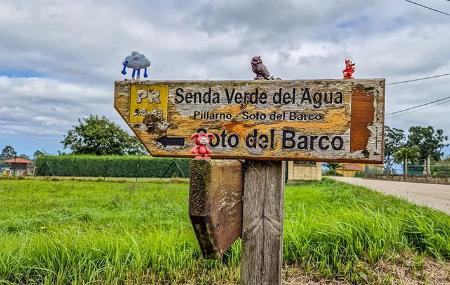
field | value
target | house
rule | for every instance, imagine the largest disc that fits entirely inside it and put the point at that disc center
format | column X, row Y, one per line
column 350, row 169
column 304, row 170
column 19, row 166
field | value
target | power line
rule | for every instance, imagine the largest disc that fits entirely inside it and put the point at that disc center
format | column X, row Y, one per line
column 418, row 106
column 429, row 8
column 419, row 79
column 416, row 110
column 421, row 105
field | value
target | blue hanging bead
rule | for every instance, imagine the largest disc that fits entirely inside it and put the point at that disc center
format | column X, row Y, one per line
column 145, row 73
column 124, row 67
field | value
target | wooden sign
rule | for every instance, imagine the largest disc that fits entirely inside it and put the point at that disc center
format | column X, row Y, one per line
column 320, row 120
column 215, row 203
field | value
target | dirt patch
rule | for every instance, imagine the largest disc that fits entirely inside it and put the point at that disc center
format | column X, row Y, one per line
column 405, row 269
column 411, row 270
column 294, row 276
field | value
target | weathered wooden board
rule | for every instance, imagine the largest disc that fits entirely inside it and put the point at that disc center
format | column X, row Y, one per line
column 321, row 120
column 215, row 204
column 262, row 225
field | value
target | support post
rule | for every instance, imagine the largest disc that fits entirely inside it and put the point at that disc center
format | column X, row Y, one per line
column 262, row 225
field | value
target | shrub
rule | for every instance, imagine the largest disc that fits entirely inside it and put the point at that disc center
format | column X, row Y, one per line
column 440, row 170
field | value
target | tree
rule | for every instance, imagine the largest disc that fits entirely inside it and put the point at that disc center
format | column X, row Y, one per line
column 38, row 153
column 406, row 154
column 24, row 156
column 394, row 139
column 332, row 166
column 8, row 152
column 98, row 135
column 429, row 141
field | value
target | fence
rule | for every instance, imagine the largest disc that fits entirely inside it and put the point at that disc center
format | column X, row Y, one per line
column 440, row 173
column 111, row 166
column 436, row 170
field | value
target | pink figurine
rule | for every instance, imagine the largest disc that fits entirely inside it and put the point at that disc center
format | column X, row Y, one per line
column 349, row 69
column 201, row 149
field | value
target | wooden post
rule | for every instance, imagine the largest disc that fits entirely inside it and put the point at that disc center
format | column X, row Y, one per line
column 262, row 225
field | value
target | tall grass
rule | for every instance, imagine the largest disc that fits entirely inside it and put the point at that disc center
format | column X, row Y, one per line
column 59, row 232
column 331, row 226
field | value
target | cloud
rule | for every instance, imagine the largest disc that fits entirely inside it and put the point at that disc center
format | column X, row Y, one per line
column 43, row 107
column 59, row 62
column 136, row 60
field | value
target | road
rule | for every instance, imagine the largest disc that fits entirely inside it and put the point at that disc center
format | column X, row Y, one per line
column 432, row 195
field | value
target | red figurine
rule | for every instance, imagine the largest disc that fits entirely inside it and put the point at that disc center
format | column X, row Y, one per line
column 201, row 149
column 349, row 69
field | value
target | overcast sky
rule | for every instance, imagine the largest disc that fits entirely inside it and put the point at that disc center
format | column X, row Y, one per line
column 59, row 59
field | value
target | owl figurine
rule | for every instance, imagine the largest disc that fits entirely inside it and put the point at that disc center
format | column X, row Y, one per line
column 260, row 69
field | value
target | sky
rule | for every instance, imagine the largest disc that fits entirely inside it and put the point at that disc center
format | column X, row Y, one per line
column 59, row 59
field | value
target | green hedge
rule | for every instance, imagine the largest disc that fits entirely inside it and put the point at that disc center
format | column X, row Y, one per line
column 111, row 166
column 440, row 170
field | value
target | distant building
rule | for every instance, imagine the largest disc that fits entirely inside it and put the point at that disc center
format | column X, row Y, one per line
column 304, row 171
column 19, row 166
column 350, row 169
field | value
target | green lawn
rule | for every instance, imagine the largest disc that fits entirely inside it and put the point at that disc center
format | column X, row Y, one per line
column 106, row 232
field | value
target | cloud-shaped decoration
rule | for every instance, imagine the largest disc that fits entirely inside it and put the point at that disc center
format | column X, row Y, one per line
column 136, row 60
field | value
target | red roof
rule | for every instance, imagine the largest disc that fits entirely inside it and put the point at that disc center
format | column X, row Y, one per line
column 19, row 160
column 352, row 166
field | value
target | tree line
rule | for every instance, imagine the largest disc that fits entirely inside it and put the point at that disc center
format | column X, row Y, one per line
column 417, row 144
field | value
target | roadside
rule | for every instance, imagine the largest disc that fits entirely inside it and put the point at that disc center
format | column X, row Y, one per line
column 432, row 195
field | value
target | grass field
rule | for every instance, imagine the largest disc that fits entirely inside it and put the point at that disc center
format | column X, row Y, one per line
column 60, row 232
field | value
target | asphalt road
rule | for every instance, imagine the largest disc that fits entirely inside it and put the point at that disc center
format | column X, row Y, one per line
column 432, row 195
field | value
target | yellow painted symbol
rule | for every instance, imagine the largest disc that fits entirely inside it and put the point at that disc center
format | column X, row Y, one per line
column 145, row 99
